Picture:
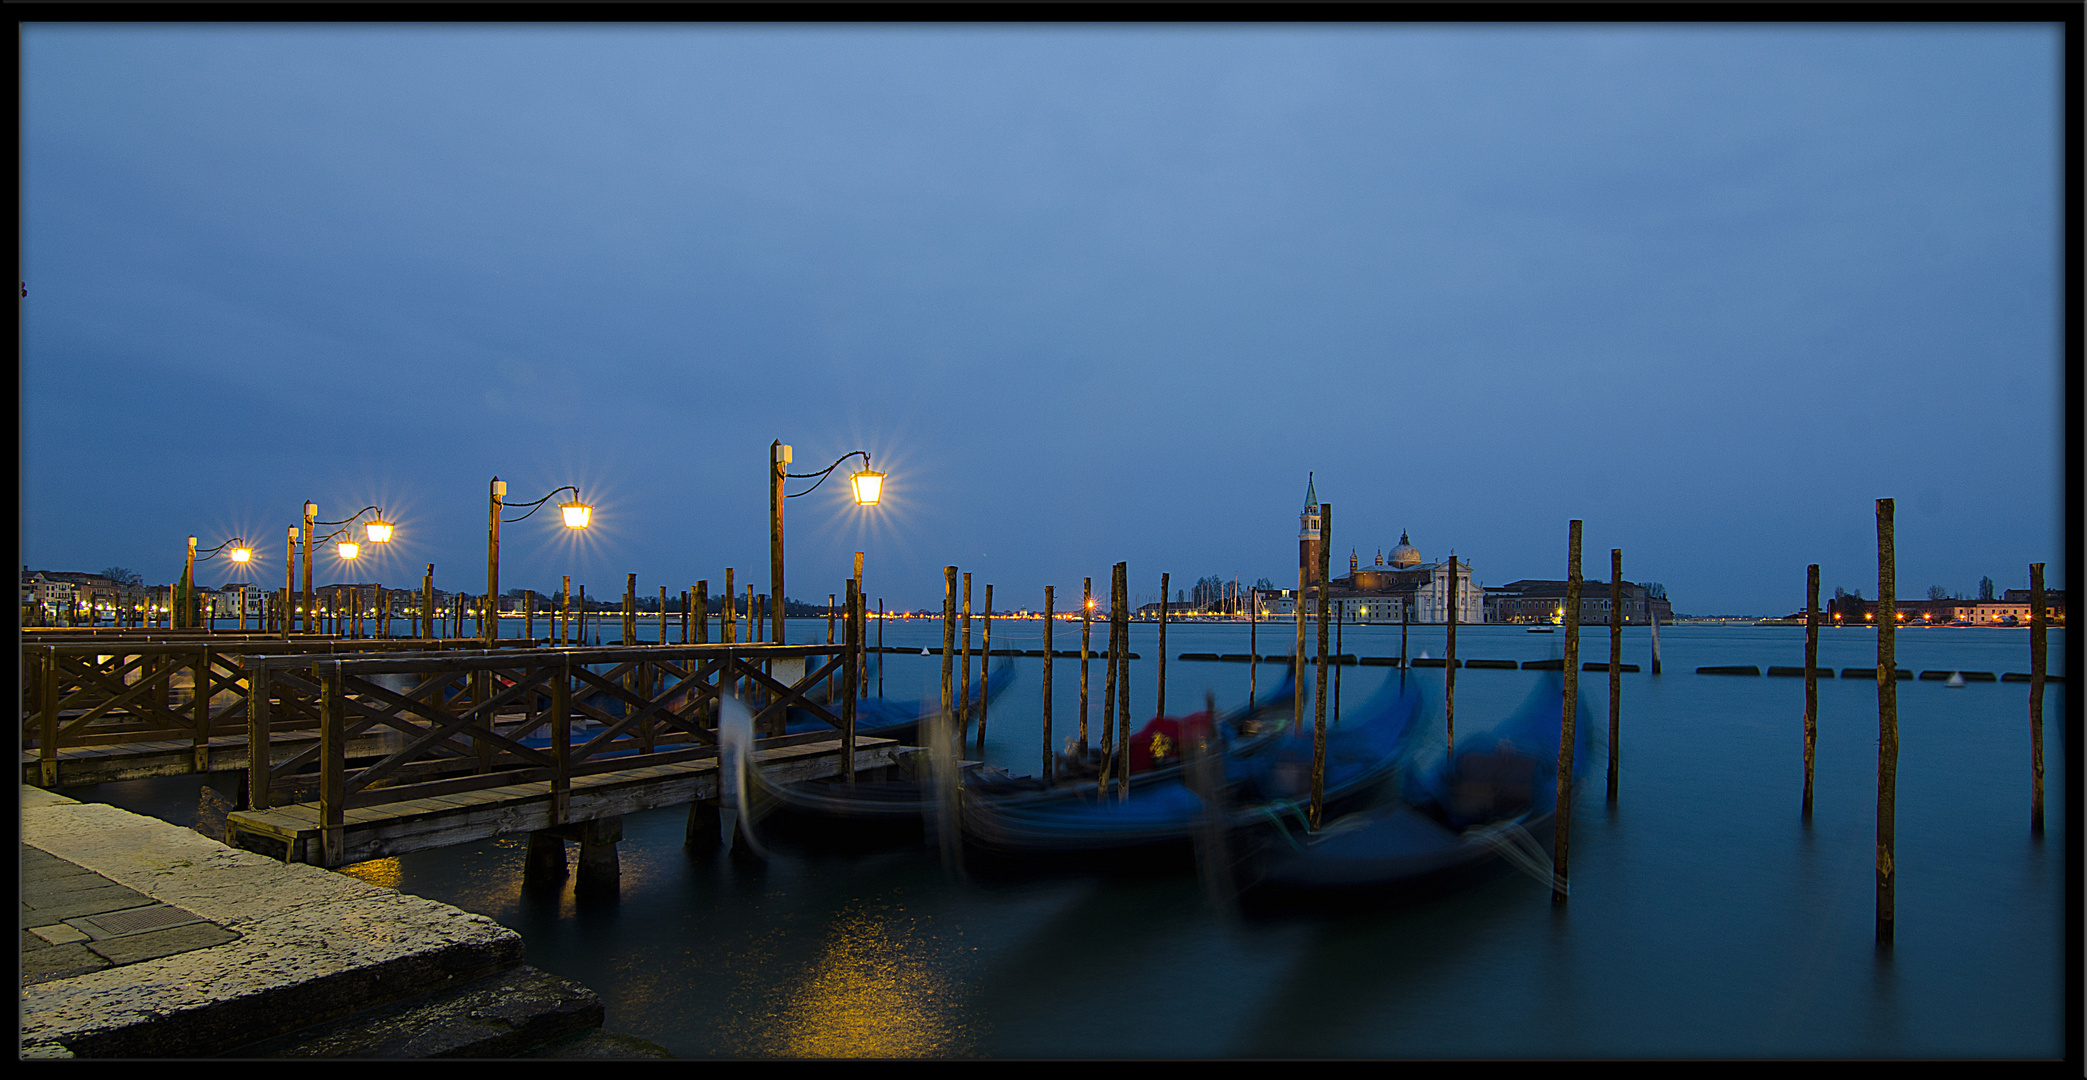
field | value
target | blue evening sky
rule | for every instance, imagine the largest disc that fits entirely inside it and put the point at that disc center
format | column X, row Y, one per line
column 1087, row 294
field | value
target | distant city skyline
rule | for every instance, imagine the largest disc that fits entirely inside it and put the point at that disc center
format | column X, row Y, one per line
column 1086, row 294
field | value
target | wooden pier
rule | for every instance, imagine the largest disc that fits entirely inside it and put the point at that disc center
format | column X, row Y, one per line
column 485, row 742
column 122, row 705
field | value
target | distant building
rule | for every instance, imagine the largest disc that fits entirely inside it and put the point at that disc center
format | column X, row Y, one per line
column 1543, row 601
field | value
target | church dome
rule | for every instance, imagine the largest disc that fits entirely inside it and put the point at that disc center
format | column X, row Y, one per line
column 1405, row 554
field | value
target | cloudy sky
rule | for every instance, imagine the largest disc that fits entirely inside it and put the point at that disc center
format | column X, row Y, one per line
column 1086, row 294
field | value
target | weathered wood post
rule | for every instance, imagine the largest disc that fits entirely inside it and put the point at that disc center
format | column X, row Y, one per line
column 1887, row 720
column 561, row 745
column 964, row 672
column 311, row 518
column 332, row 770
column 580, row 609
column 728, row 621
column 1160, row 701
column 1108, row 701
column 47, row 751
column 1253, row 648
column 1050, row 760
column 1811, row 678
column 851, row 676
column 862, row 635
column 1405, row 622
column 200, row 755
column 949, row 639
column 257, row 758
column 1297, row 654
column 778, row 456
column 1123, row 682
column 1449, row 664
column 880, row 646
column 985, row 661
column 1319, row 687
column 699, row 611
column 563, row 628
column 662, row 615
column 1563, row 833
column 289, row 607
column 427, row 602
column 1615, row 661
column 1086, row 633
column 2037, row 624
column 630, row 609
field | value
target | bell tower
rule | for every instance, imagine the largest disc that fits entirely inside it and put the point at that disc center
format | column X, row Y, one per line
column 1308, row 533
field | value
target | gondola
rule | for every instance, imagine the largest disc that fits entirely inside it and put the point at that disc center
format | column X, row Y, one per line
column 906, row 800
column 888, row 719
column 1241, row 792
column 1488, row 807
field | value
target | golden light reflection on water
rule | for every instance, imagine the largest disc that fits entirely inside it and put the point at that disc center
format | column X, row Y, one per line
column 383, row 872
column 874, row 991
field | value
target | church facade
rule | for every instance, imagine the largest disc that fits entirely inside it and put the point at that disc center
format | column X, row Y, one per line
column 1404, row 588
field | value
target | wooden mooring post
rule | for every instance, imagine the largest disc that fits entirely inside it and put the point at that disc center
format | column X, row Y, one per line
column 1615, row 662
column 2037, row 659
column 1887, row 720
column 1562, row 836
column 949, row 639
column 1086, row 651
column 1161, row 709
column 1449, row 663
column 964, row 671
column 985, row 654
column 1050, row 760
column 1811, row 679
column 1122, row 615
column 1108, row 700
column 1319, row 689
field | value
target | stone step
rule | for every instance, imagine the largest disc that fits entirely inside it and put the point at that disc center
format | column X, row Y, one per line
column 505, row 1015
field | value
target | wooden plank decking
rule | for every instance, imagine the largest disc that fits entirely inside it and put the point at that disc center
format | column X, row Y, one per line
column 292, row 832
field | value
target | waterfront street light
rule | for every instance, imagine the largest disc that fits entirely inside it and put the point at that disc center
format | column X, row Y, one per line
column 868, row 485
column 376, row 529
column 576, row 515
column 240, row 552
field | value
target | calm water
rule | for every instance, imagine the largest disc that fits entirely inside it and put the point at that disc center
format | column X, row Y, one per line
column 1705, row 919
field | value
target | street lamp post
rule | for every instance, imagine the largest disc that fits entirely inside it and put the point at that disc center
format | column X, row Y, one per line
column 575, row 514
column 376, row 530
column 868, row 485
column 241, row 552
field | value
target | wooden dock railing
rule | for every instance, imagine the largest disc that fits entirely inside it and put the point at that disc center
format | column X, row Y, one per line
column 109, row 692
column 459, row 722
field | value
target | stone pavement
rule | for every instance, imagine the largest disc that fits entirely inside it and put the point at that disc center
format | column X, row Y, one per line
column 145, row 939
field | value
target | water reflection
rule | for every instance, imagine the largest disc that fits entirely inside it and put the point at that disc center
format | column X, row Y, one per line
column 876, row 989
column 384, row 872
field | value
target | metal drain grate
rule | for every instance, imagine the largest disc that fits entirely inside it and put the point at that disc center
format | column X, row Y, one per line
column 139, row 920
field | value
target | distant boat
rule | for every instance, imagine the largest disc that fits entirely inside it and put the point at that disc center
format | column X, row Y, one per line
column 1541, row 630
